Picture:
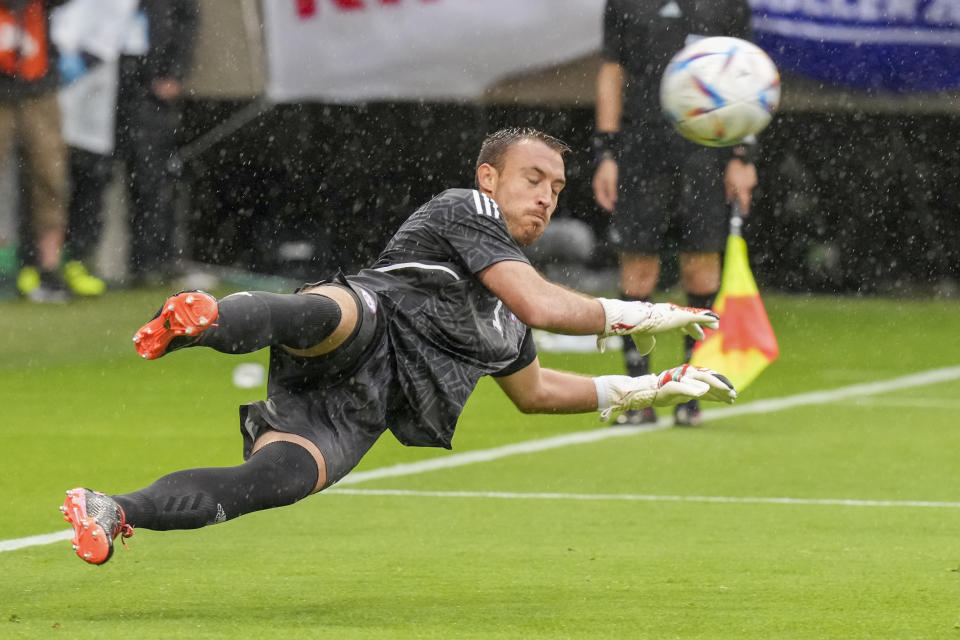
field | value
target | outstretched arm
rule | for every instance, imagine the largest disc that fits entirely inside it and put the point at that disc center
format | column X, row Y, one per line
column 539, row 303
column 534, row 389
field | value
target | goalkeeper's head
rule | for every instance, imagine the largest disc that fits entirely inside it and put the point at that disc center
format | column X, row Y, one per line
column 522, row 170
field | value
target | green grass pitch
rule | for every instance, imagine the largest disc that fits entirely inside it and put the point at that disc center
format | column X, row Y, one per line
column 676, row 533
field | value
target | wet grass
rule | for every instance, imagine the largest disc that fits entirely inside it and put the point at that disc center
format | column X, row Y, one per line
column 653, row 554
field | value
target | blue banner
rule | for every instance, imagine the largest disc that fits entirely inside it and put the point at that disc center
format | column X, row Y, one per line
column 879, row 45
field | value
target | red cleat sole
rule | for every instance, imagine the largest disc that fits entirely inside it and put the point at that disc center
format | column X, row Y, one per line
column 185, row 314
column 90, row 541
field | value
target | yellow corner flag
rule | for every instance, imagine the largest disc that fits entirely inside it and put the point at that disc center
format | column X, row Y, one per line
column 744, row 344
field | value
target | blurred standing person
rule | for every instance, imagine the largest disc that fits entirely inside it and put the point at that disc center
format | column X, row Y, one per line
column 653, row 181
column 88, row 35
column 29, row 113
column 154, row 61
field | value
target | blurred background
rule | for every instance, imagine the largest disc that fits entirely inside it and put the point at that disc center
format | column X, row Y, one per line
column 312, row 128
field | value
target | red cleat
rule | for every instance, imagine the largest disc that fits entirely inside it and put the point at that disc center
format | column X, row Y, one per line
column 182, row 319
column 97, row 519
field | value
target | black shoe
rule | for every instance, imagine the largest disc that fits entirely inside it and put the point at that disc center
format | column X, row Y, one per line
column 51, row 290
column 687, row 414
column 636, row 416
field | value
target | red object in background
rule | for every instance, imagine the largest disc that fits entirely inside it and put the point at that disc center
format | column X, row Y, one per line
column 308, row 8
column 27, row 53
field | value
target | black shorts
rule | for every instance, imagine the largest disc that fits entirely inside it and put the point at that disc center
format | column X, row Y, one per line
column 680, row 199
column 340, row 406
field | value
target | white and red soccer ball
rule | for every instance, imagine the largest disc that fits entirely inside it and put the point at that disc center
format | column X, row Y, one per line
column 717, row 91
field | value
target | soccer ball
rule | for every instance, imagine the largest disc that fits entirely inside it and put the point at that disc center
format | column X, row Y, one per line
column 719, row 90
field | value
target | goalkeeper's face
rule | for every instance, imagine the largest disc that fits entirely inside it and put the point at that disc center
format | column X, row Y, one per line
column 526, row 187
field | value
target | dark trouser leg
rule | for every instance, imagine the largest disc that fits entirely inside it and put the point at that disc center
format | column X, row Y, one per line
column 89, row 176
column 279, row 474
column 687, row 414
column 701, row 301
column 148, row 145
column 636, row 364
column 252, row 320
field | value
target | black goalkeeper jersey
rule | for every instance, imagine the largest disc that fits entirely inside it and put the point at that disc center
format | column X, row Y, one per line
column 444, row 327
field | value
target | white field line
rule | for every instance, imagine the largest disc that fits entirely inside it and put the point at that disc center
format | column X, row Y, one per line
column 911, row 403
column 34, row 541
column 932, row 376
column 594, row 435
column 639, row 497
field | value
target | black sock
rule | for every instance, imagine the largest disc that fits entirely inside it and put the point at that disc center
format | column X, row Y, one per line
column 701, row 301
column 252, row 320
column 279, row 474
column 637, row 365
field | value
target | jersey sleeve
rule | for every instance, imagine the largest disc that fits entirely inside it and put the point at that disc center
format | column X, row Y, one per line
column 613, row 33
column 476, row 232
column 528, row 353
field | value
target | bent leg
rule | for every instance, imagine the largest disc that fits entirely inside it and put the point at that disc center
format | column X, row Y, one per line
column 269, row 437
column 278, row 474
column 304, row 323
column 307, row 325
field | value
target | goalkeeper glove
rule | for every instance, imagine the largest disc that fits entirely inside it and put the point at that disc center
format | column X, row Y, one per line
column 642, row 319
column 616, row 394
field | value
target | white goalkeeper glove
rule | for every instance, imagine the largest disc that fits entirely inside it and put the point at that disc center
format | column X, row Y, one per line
column 642, row 319
column 616, row 394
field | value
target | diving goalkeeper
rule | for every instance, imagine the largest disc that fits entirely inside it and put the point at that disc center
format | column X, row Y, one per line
column 399, row 346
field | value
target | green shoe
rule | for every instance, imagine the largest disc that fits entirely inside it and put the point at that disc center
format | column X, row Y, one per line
column 27, row 280
column 80, row 281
